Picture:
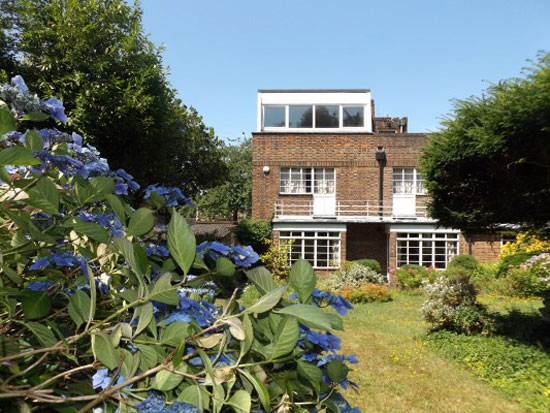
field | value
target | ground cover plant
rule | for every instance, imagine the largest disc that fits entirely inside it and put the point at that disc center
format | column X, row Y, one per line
column 103, row 307
column 399, row 370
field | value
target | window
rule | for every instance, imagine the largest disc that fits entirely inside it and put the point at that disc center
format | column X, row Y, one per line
column 354, row 116
column 508, row 237
column 300, row 116
column 313, row 116
column 307, row 180
column 408, row 181
column 320, row 248
column 274, row 116
column 430, row 249
column 327, row 116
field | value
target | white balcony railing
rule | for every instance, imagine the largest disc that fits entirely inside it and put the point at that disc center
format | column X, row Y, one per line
column 358, row 209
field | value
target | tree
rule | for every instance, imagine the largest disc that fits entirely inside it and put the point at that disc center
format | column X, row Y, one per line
column 95, row 55
column 233, row 198
column 490, row 163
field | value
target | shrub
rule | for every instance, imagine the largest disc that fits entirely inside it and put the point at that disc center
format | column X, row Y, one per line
column 410, row 276
column 451, row 305
column 525, row 243
column 513, row 261
column 254, row 232
column 465, row 261
column 97, row 307
column 521, row 282
column 366, row 293
column 370, row 263
column 353, row 275
column 276, row 259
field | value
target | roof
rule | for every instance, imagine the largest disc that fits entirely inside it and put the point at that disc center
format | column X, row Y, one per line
column 218, row 228
column 313, row 90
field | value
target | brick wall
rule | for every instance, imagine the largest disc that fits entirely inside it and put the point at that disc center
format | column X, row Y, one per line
column 485, row 247
column 367, row 241
column 352, row 156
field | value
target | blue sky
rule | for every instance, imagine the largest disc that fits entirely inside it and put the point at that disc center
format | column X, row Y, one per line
column 415, row 56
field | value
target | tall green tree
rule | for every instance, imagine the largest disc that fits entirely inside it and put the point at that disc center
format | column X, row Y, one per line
column 94, row 55
column 490, row 163
column 232, row 199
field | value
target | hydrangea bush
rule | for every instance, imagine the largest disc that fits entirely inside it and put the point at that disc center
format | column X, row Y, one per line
column 103, row 310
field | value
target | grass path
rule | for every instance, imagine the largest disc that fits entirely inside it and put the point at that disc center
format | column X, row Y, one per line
column 397, row 373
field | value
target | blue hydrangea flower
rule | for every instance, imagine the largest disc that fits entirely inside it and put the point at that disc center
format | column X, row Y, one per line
column 56, row 109
column 323, row 298
column 157, row 251
column 244, row 257
column 101, row 379
column 202, row 312
column 40, row 285
column 212, row 249
column 171, row 194
column 18, row 82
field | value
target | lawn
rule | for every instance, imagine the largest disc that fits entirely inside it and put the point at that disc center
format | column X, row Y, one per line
column 401, row 371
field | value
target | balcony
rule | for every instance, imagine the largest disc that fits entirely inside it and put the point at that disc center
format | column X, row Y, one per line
column 349, row 210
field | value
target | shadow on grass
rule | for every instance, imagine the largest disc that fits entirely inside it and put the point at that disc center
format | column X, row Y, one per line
column 528, row 328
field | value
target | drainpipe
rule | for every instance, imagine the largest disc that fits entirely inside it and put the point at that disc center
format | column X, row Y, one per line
column 381, row 158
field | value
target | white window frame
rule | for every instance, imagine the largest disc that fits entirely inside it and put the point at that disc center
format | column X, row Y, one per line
column 415, row 181
column 303, row 184
column 299, row 237
column 314, row 126
column 420, row 237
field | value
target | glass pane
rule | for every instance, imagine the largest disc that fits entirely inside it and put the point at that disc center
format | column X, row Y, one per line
column 274, row 116
column 354, row 116
column 326, row 116
column 300, row 116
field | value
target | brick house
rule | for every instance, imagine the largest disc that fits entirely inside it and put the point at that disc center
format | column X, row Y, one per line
column 344, row 184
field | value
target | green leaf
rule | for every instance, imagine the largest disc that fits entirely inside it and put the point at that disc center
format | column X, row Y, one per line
column 103, row 185
column 7, row 121
column 240, row 401
column 33, row 141
column 224, row 267
column 163, row 291
column 91, row 230
column 45, row 337
column 141, row 222
column 17, row 155
column 105, row 352
column 176, row 361
column 181, row 242
column 210, row 341
column 236, row 328
column 36, row 304
column 117, row 207
column 286, row 337
column 36, row 116
column 311, row 373
column 164, row 380
column 310, row 315
column 144, row 314
column 248, row 336
column 93, row 292
column 260, row 388
column 196, row 396
column 262, row 279
column 175, row 333
column 337, row 371
column 267, row 301
column 79, row 307
column 302, row 279
column 44, row 195
column 149, row 357
column 127, row 250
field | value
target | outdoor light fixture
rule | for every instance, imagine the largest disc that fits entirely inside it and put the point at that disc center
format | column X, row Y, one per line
column 380, row 154
column 266, row 170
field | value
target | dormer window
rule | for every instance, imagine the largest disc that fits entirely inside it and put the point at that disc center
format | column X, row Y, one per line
column 342, row 110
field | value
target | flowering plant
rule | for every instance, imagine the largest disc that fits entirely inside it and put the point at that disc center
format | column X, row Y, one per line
column 103, row 309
